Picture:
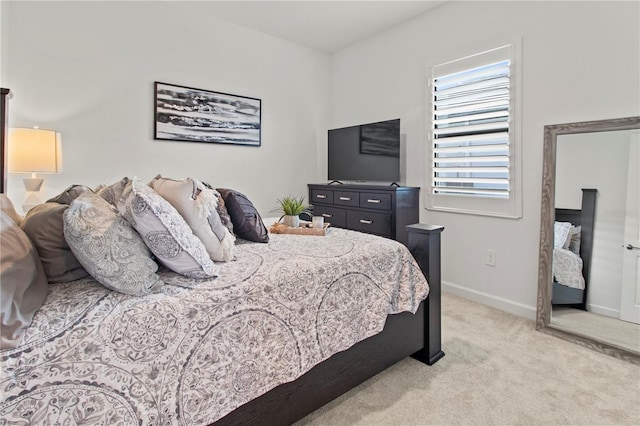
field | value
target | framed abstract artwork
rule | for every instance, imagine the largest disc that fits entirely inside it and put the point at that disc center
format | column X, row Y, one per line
column 197, row 115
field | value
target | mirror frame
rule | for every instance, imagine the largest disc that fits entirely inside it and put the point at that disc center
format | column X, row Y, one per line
column 547, row 217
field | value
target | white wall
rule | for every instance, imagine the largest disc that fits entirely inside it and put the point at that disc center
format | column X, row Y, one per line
column 601, row 161
column 87, row 69
column 580, row 62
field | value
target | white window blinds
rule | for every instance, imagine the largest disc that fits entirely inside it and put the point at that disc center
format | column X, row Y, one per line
column 470, row 131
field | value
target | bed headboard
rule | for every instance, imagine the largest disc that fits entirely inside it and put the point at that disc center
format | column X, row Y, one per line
column 585, row 217
column 6, row 95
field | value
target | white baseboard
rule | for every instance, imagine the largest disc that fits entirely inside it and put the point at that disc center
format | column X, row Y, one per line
column 602, row 310
column 510, row 306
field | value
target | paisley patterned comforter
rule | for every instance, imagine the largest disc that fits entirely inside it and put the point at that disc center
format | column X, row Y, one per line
column 199, row 350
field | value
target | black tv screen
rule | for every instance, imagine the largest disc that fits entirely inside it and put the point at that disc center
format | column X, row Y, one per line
column 368, row 152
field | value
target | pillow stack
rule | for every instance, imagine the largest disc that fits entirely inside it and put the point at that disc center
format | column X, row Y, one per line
column 117, row 233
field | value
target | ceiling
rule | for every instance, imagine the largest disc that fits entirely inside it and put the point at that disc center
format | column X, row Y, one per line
column 323, row 25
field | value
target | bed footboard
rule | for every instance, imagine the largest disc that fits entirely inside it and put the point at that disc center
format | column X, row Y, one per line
column 424, row 245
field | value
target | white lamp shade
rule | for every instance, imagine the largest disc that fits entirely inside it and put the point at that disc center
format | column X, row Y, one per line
column 34, row 151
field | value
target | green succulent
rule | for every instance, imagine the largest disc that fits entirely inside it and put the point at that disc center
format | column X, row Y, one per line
column 293, row 206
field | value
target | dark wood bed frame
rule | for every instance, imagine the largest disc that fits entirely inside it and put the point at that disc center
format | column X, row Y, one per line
column 585, row 217
column 404, row 335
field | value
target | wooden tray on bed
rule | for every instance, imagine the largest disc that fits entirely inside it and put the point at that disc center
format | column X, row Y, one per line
column 305, row 228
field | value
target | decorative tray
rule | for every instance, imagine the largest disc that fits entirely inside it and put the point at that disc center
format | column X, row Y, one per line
column 305, row 228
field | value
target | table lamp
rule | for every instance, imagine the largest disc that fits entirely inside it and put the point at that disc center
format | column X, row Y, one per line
column 34, row 151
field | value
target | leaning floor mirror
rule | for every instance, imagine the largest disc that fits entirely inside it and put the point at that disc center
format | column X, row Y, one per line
column 589, row 270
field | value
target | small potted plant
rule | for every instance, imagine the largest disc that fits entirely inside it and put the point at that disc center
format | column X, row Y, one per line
column 291, row 208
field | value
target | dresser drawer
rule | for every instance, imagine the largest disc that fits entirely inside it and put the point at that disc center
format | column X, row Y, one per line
column 346, row 198
column 374, row 223
column 335, row 216
column 321, row 196
column 372, row 200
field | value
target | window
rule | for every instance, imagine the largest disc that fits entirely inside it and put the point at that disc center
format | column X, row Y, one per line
column 473, row 163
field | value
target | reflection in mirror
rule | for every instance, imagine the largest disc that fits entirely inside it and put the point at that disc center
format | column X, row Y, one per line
column 589, row 286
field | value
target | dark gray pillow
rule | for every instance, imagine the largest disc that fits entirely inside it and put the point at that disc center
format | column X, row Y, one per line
column 247, row 223
column 44, row 226
column 23, row 282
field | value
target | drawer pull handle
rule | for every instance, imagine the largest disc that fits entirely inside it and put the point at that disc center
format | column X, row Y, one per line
column 345, row 198
column 321, row 196
column 373, row 200
column 327, row 215
column 366, row 222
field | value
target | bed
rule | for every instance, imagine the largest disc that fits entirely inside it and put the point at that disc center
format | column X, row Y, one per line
column 287, row 326
column 571, row 264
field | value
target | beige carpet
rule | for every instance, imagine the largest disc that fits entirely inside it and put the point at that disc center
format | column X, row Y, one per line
column 497, row 371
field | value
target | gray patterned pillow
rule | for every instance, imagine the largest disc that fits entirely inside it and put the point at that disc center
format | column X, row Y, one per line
column 108, row 248
column 165, row 232
column 112, row 193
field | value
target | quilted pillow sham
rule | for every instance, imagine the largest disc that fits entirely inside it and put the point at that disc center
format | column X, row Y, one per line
column 164, row 231
column 108, row 247
column 247, row 222
column 23, row 282
column 197, row 205
column 44, row 226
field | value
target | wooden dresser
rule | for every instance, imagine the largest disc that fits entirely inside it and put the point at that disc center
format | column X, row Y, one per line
column 380, row 210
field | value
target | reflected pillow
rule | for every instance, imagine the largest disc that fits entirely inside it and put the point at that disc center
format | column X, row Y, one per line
column 574, row 239
column 165, row 232
column 247, row 223
column 44, row 226
column 197, row 205
column 108, row 247
column 22, row 281
column 560, row 234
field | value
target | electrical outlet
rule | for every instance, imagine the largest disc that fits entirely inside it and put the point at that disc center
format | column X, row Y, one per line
column 491, row 257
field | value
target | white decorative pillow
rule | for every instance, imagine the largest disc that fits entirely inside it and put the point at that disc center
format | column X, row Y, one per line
column 164, row 231
column 108, row 248
column 560, row 234
column 197, row 205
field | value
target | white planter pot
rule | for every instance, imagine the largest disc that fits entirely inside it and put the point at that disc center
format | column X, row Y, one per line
column 293, row 221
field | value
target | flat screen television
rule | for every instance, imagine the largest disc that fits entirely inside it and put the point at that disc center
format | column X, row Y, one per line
column 367, row 152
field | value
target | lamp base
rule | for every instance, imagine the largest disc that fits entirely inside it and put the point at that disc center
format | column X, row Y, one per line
column 33, row 184
column 30, row 202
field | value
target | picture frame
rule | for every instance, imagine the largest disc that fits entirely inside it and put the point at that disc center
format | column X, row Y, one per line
column 188, row 114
